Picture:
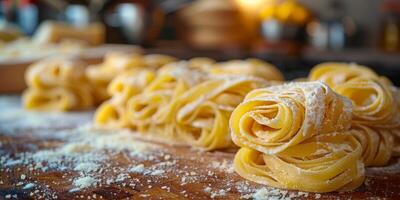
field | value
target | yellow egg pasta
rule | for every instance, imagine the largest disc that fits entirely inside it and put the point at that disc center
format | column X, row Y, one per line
column 57, row 99
column 396, row 131
column 376, row 107
column 323, row 163
column 116, row 63
column 59, row 84
column 201, row 63
column 250, row 67
column 112, row 113
column 200, row 116
column 130, row 83
column 373, row 102
column 55, row 72
column 158, row 60
column 376, row 143
column 335, row 73
column 172, row 80
column 396, row 146
column 275, row 118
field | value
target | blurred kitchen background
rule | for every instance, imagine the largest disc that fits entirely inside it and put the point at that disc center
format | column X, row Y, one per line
column 294, row 35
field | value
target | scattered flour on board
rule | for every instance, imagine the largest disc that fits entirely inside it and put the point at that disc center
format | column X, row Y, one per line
column 29, row 186
column 87, row 167
column 83, row 150
column 215, row 193
column 267, row 193
column 225, row 165
column 84, row 182
column 14, row 118
column 137, row 169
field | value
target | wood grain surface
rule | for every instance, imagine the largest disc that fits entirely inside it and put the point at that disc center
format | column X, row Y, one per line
column 61, row 156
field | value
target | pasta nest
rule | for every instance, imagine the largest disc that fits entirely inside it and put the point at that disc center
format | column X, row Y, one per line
column 275, row 118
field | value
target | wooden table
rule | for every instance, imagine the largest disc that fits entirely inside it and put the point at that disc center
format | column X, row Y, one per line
column 62, row 156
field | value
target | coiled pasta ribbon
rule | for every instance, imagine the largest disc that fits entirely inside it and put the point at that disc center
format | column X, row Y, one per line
column 145, row 110
column 376, row 106
column 250, row 67
column 373, row 103
column 396, row 131
column 112, row 113
column 201, row 63
column 275, row 118
column 57, row 99
column 156, row 61
column 55, row 72
column 116, row 63
column 323, row 163
column 130, row 83
column 201, row 115
column 333, row 73
column 57, row 84
column 377, row 144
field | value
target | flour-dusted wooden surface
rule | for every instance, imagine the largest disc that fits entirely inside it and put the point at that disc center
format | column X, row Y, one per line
column 61, row 156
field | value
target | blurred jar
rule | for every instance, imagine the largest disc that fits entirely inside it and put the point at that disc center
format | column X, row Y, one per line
column 8, row 31
column 138, row 21
column 328, row 34
column 335, row 31
column 77, row 15
column 390, row 35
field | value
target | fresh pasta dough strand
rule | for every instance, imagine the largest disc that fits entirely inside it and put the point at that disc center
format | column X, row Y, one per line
column 201, row 63
column 57, row 83
column 374, row 98
column 122, row 61
column 373, row 103
column 112, row 113
column 396, row 131
column 201, row 114
column 158, row 60
column 323, row 163
column 175, row 75
column 377, row 144
column 59, row 99
column 396, row 146
column 335, row 73
column 145, row 110
column 55, row 72
column 250, row 67
column 129, row 84
column 143, row 107
column 275, row 118
column 114, row 63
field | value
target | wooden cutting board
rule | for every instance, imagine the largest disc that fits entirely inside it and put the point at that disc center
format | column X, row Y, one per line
column 55, row 155
column 12, row 71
